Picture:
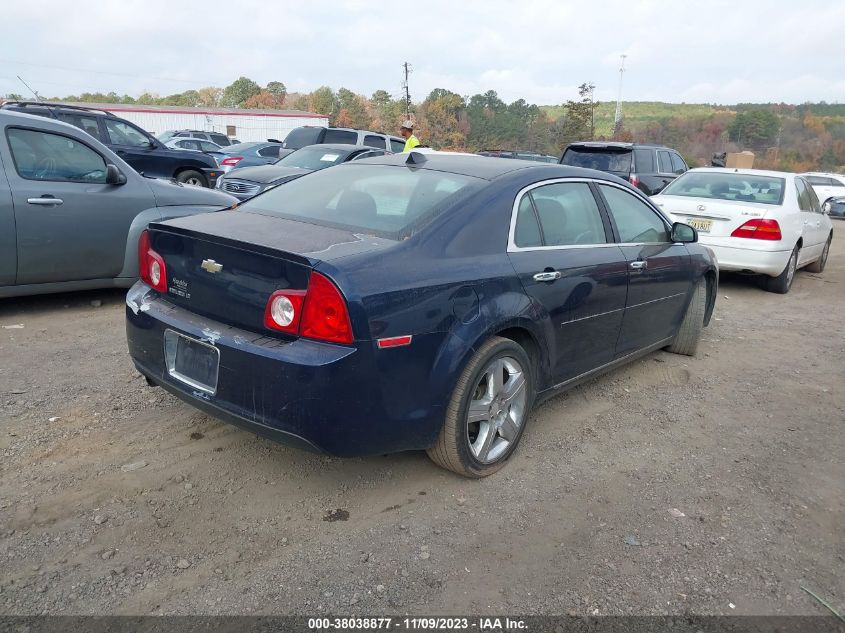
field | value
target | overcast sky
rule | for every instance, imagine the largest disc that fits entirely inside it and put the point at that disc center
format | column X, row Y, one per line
column 681, row 51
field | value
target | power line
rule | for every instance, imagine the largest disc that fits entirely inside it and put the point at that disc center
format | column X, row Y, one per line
column 106, row 72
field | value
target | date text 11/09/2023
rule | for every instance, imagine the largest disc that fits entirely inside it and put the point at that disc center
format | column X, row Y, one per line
column 419, row 623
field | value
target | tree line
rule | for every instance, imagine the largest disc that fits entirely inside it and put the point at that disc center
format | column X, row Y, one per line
column 789, row 137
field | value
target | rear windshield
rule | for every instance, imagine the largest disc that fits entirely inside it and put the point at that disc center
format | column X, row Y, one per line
column 313, row 158
column 302, row 136
column 237, row 148
column 600, row 159
column 389, row 201
column 728, row 186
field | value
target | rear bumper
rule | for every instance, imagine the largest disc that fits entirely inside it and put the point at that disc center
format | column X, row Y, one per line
column 318, row 396
column 748, row 255
column 212, row 174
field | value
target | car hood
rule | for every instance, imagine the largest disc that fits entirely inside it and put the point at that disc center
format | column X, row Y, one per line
column 266, row 173
column 171, row 193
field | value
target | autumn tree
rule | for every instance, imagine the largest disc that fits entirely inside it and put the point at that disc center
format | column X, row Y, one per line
column 210, row 96
column 323, row 101
column 353, row 110
column 443, row 119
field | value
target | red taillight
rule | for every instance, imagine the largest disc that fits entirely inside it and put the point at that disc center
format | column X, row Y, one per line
column 151, row 266
column 325, row 316
column 759, row 229
column 318, row 313
column 634, row 180
column 231, row 161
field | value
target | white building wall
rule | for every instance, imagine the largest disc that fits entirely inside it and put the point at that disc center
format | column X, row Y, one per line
column 248, row 127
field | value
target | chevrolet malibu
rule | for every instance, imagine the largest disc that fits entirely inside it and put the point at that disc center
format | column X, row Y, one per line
column 415, row 301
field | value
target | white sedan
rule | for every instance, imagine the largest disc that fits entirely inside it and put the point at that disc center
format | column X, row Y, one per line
column 825, row 185
column 765, row 222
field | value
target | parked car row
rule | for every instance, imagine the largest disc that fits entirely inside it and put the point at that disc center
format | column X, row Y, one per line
column 145, row 153
column 71, row 210
column 250, row 181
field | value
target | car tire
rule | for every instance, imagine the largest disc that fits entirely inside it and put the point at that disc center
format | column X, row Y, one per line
column 818, row 265
column 479, row 446
column 686, row 340
column 192, row 177
column 783, row 282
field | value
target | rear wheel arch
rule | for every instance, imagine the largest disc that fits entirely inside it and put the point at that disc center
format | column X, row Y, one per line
column 528, row 341
column 712, row 280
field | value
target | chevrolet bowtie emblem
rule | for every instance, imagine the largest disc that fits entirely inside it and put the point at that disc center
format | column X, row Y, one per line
column 211, row 266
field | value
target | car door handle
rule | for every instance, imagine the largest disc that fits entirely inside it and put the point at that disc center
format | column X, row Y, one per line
column 638, row 265
column 46, row 201
column 547, row 276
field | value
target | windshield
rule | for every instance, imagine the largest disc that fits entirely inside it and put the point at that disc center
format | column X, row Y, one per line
column 313, row 158
column 601, row 160
column 381, row 199
column 727, row 186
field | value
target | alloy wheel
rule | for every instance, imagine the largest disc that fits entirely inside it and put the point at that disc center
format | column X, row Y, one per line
column 497, row 410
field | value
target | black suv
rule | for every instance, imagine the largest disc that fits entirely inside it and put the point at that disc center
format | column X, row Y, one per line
column 648, row 167
column 136, row 146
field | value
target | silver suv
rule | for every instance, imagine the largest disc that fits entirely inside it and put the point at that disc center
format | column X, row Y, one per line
column 299, row 137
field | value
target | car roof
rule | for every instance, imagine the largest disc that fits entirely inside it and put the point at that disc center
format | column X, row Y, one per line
column 340, row 147
column 746, row 172
column 23, row 118
column 485, row 167
column 615, row 145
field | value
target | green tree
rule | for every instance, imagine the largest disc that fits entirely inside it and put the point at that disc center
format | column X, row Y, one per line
column 578, row 117
column 278, row 90
column 236, row 93
column 444, row 121
column 324, row 101
column 355, row 110
column 757, row 128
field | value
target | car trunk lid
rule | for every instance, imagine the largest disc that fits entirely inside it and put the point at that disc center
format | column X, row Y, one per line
column 226, row 265
column 717, row 218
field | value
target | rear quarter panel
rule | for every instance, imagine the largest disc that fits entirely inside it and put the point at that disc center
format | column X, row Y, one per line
column 8, row 239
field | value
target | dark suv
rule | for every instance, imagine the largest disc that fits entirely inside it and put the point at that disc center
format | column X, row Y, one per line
column 648, row 167
column 136, row 146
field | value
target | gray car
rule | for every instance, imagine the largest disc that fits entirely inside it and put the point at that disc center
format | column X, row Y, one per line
column 71, row 211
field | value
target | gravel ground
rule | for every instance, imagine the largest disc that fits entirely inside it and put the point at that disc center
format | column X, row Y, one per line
column 703, row 485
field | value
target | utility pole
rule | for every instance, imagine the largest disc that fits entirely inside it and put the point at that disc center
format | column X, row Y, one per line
column 37, row 96
column 407, row 68
column 618, row 118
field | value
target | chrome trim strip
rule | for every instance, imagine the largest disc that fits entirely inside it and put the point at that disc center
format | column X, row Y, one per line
column 617, row 361
column 592, row 316
column 645, row 303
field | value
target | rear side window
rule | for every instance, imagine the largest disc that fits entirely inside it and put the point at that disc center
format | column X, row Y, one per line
column 527, row 231
column 665, row 161
column 341, row 136
column 397, row 147
column 635, row 220
column 644, row 161
column 86, row 123
column 379, row 199
column 207, row 146
column 302, row 136
column 45, row 156
column 678, row 164
column 371, row 140
column 271, row 151
column 805, row 202
column 219, row 139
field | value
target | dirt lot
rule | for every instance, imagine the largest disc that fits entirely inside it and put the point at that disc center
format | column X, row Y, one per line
column 117, row 498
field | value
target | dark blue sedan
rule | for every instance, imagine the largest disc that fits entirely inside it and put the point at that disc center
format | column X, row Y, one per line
column 243, row 155
column 415, row 301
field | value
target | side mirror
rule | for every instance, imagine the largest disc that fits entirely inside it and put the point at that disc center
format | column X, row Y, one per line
column 114, row 176
column 683, row 233
column 826, row 207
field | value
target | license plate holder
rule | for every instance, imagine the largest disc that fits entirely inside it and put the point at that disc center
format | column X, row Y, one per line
column 191, row 361
column 702, row 226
